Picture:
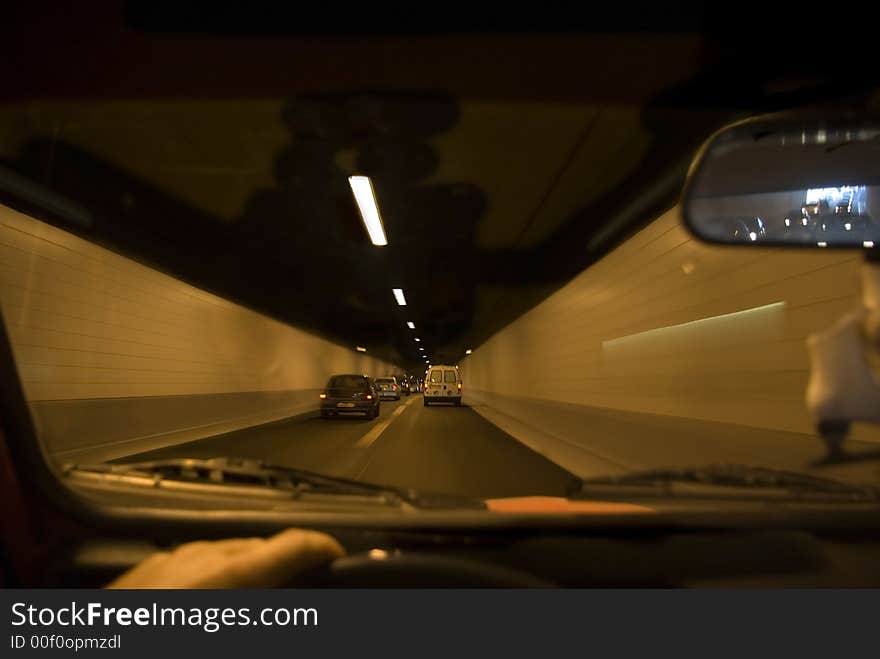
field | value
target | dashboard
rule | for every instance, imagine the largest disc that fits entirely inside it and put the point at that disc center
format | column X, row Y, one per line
column 721, row 559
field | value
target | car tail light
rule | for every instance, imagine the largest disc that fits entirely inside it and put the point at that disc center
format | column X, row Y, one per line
column 322, row 395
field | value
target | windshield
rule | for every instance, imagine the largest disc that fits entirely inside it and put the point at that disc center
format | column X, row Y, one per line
column 190, row 263
column 347, row 382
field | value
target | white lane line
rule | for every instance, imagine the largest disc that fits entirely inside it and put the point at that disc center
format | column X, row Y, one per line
column 379, row 428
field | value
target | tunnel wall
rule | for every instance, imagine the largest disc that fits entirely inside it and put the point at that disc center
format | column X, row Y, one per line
column 117, row 358
column 665, row 325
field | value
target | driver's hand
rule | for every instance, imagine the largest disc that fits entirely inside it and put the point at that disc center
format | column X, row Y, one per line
column 239, row 563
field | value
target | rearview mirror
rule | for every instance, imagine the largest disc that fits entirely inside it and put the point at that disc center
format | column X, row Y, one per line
column 787, row 180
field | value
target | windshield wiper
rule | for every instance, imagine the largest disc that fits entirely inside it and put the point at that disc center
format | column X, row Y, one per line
column 254, row 473
column 734, row 476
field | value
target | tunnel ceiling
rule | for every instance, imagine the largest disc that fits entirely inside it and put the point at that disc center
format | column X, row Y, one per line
column 503, row 165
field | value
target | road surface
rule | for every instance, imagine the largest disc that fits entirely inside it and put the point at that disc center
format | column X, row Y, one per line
column 459, row 451
column 439, row 448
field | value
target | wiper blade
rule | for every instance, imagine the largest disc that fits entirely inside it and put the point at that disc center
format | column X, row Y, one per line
column 255, row 473
column 241, row 472
column 732, row 476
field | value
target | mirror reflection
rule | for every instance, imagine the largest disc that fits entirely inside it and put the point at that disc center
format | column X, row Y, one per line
column 817, row 188
column 814, row 216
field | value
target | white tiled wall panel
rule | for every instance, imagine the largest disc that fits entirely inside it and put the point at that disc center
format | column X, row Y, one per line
column 621, row 335
column 88, row 323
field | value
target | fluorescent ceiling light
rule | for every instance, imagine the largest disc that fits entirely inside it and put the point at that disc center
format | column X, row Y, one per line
column 398, row 295
column 418, row 339
column 365, row 197
column 359, row 349
column 411, row 324
column 421, row 348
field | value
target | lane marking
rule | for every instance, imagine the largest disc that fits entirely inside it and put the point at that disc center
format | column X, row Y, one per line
column 378, row 429
column 373, row 454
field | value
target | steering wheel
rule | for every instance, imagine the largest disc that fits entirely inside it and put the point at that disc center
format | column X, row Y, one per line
column 381, row 569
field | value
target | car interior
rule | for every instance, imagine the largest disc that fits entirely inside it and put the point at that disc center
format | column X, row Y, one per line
column 643, row 242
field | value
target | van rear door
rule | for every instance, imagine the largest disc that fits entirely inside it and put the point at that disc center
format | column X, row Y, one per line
column 434, row 383
column 442, row 382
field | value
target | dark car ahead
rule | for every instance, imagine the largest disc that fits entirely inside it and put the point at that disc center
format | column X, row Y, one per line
column 350, row 394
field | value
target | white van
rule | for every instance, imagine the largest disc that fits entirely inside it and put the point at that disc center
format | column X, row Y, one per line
column 442, row 385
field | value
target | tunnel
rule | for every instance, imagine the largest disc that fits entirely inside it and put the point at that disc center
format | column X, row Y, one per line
column 664, row 352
